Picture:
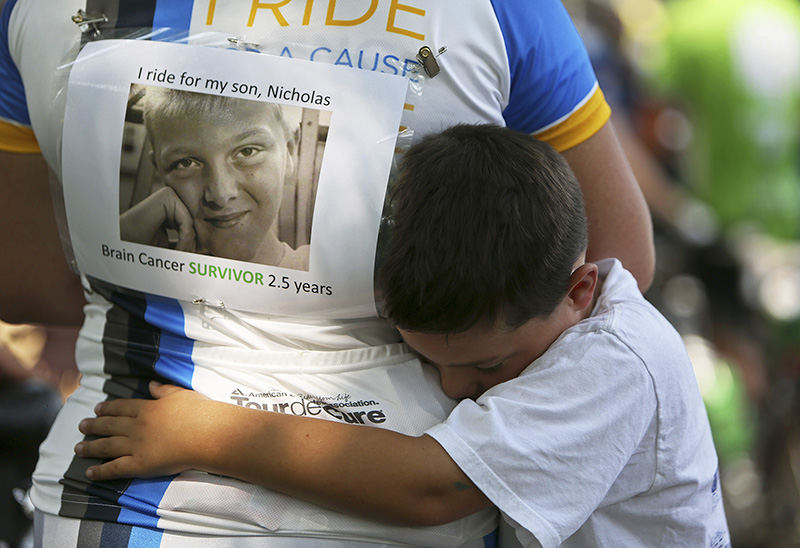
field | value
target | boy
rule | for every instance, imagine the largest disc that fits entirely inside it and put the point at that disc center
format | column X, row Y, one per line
column 583, row 422
column 222, row 163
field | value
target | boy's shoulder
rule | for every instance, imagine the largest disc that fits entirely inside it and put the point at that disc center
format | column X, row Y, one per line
column 625, row 341
column 623, row 312
column 609, row 348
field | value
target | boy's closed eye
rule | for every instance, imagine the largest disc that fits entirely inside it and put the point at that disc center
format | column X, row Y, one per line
column 493, row 368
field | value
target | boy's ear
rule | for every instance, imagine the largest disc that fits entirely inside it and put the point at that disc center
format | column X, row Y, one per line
column 291, row 164
column 151, row 153
column 292, row 145
column 156, row 180
column 582, row 285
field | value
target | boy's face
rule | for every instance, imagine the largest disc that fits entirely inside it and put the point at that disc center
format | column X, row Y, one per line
column 228, row 169
column 475, row 360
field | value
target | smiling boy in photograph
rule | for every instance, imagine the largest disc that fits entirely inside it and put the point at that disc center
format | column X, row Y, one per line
column 221, row 163
column 581, row 419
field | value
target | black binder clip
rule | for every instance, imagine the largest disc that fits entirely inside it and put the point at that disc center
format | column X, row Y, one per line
column 428, row 60
column 88, row 24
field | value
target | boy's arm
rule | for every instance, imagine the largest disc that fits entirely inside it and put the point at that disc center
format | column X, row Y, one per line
column 371, row 472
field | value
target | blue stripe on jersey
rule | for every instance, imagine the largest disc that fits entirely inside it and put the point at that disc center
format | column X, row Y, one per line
column 174, row 361
column 141, row 499
column 142, row 537
column 550, row 69
column 12, row 93
column 174, row 14
column 490, row 540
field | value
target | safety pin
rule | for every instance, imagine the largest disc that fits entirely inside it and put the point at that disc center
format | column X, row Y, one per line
column 202, row 301
column 88, row 23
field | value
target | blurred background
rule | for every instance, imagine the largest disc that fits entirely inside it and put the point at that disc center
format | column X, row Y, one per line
column 705, row 97
column 706, row 102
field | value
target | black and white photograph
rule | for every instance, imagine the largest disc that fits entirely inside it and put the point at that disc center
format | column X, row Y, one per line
column 220, row 176
column 207, row 161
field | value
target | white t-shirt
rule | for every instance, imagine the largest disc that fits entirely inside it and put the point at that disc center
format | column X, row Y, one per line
column 603, row 440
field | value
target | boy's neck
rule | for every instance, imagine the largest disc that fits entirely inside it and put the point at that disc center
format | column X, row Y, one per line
column 271, row 251
column 598, row 288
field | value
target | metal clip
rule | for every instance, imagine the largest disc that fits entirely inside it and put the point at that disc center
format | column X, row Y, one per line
column 202, row 301
column 243, row 44
column 88, row 23
column 428, row 60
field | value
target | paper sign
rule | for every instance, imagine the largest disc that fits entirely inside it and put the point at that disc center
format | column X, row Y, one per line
column 249, row 181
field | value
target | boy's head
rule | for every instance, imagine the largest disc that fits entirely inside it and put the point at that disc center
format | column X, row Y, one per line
column 178, row 104
column 227, row 159
column 483, row 267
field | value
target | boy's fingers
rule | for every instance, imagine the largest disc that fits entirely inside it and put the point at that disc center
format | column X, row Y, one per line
column 119, row 408
column 186, row 238
column 158, row 390
column 122, row 467
column 183, row 222
column 104, row 448
column 106, row 426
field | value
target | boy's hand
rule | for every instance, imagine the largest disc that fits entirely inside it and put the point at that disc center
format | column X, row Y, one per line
column 147, row 221
column 146, row 438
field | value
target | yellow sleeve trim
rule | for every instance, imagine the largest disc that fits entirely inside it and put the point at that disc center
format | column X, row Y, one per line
column 578, row 126
column 14, row 138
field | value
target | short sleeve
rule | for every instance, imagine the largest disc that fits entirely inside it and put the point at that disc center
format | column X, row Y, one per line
column 16, row 134
column 546, row 447
column 554, row 93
